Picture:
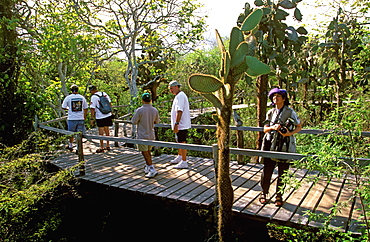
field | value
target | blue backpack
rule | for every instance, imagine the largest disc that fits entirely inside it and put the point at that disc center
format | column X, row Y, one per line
column 104, row 104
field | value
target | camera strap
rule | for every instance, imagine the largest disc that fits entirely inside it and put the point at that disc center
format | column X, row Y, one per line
column 278, row 115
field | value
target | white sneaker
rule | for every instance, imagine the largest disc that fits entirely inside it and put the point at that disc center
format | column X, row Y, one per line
column 146, row 169
column 176, row 160
column 152, row 172
column 182, row 165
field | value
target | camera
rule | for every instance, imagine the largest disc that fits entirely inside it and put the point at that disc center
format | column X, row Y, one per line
column 288, row 125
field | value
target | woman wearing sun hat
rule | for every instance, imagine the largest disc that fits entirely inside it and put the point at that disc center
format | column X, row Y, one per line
column 280, row 125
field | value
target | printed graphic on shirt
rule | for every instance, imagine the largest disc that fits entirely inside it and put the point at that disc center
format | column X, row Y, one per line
column 76, row 104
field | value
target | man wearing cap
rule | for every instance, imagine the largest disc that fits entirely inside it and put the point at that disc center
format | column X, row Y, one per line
column 103, row 121
column 145, row 117
column 77, row 106
column 180, row 122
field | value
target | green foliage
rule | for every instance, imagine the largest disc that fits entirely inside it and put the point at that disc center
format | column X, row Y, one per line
column 336, row 153
column 30, row 194
column 284, row 233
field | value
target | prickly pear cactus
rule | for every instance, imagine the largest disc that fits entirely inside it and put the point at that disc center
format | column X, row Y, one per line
column 235, row 62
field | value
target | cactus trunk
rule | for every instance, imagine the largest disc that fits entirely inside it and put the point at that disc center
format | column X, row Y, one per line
column 224, row 189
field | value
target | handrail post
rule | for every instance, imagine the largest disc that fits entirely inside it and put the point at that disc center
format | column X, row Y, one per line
column 80, row 152
column 36, row 123
column 116, row 129
column 239, row 136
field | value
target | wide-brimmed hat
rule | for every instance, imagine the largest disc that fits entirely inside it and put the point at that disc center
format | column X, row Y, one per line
column 282, row 92
column 174, row 83
column 273, row 91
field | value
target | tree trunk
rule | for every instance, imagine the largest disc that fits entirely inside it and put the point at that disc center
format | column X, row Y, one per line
column 8, row 72
column 262, row 99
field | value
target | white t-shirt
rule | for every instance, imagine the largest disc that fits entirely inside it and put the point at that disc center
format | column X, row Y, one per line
column 75, row 103
column 181, row 103
column 95, row 104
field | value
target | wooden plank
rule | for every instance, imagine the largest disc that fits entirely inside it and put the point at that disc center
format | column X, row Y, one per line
column 162, row 165
column 202, row 177
column 139, row 178
column 170, row 177
column 329, row 198
column 297, row 196
column 112, row 171
column 207, row 197
column 266, row 211
column 137, row 172
column 181, row 181
column 198, row 191
column 345, row 202
column 356, row 225
column 311, row 201
column 243, row 191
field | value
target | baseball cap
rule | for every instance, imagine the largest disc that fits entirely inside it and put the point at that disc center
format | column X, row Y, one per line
column 146, row 97
column 74, row 88
column 92, row 87
column 174, row 83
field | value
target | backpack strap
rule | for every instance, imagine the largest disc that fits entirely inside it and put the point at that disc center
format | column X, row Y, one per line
column 96, row 94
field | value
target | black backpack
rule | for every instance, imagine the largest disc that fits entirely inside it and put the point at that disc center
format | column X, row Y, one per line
column 104, row 104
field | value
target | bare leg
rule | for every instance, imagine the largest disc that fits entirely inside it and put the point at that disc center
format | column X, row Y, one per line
column 106, row 131
column 183, row 152
column 101, row 132
column 147, row 157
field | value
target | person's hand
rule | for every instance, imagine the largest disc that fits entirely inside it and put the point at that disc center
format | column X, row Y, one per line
column 288, row 133
column 176, row 128
column 276, row 127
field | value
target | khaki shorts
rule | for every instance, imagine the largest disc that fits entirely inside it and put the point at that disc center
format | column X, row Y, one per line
column 144, row 147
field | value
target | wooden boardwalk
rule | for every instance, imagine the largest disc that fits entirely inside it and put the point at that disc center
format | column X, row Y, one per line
column 123, row 168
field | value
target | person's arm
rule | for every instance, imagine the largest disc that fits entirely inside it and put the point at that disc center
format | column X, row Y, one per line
column 267, row 129
column 92, row 120
column 298, row 128
column 85, row 113
column 177, row 121
column 135, row 118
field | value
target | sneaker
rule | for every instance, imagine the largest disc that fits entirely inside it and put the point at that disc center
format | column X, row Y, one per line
column 176, row 160
column 152, row 172
column 182, row 165
column 146, row 169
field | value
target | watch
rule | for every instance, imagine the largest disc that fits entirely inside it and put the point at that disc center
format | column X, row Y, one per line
column 177, row 123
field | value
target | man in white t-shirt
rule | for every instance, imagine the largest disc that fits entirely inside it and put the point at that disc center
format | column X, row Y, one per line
column 77, row 110
column 103, row 121
column 180, row 121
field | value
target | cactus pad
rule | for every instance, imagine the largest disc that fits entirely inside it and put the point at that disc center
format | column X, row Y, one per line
column 256, row 67
column 203, row 83
column 220, row 43
column 239, row 55
column 236, row 37
column 252, row 20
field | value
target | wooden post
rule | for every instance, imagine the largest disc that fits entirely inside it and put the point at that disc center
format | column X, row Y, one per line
column 81, row 159
column 36, row 123
column 116, row 129
column 239, row 136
